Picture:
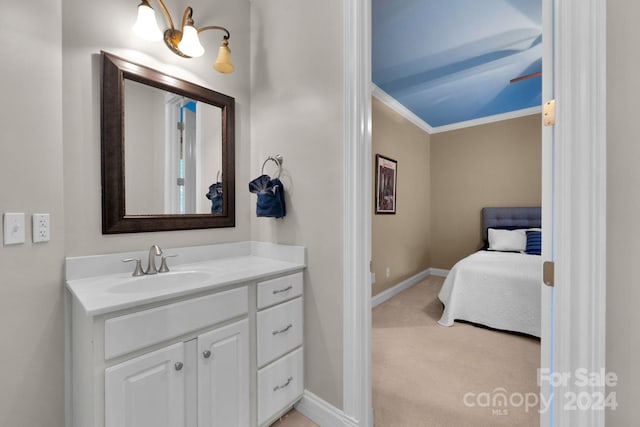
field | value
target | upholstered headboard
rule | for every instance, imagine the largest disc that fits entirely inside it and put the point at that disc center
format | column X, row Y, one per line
column 509, row 218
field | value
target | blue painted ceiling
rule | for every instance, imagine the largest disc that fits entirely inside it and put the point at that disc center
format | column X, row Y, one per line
column 450, row 61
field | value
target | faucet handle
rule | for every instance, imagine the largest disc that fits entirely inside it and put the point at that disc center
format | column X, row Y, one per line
column 163, row 266
column 138, row 271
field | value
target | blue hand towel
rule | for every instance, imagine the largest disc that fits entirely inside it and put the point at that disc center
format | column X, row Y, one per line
column 270, row 196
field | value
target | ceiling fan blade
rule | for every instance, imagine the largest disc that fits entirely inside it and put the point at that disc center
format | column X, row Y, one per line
column 525, row 77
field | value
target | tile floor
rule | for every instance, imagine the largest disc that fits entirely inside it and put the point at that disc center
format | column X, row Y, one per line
column 294, row 418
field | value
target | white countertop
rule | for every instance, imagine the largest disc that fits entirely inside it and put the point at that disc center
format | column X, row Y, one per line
column 104, row 293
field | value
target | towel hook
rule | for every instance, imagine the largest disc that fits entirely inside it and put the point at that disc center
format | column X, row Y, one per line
column 277, row 159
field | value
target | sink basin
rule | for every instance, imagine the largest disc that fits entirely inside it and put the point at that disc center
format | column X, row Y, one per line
column 159, row 282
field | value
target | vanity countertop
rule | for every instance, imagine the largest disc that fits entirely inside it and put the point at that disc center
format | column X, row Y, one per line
column 247, row 261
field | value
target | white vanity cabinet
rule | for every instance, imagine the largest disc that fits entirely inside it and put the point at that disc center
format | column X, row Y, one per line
column 199, row 377
column 228, row 352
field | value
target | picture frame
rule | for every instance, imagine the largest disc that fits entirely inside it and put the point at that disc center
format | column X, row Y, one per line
column 386, row 184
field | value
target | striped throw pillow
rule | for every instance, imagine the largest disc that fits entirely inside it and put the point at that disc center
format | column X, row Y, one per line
column 534, row 243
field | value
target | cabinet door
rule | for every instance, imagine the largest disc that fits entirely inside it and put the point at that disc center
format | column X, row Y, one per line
column 147, row 391
column 223, row 376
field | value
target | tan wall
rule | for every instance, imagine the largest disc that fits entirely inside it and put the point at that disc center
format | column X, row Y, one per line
column 31, row 298
column 498, row 164
column 623, row 209
column 401, row 242
column 296, row 111
column 89, row 26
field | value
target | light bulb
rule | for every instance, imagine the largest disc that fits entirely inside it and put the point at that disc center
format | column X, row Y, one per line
column 190, row 43
column 146, row 26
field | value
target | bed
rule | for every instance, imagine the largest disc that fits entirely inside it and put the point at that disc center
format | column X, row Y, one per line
column 497, row 289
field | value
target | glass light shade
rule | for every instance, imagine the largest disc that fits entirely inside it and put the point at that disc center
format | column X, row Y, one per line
column 146, row 26
column 223, row 62
column 190, row 43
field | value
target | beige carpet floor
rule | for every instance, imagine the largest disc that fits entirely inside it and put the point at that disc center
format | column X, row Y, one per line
column 422, row 371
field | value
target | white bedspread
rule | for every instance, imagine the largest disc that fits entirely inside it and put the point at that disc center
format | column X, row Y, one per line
column 496, row 289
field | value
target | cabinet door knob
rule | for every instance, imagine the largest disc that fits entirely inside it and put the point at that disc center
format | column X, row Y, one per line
column 206, row 354
column 178, row 366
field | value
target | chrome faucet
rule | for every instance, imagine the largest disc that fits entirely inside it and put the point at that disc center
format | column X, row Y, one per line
column 154, row 251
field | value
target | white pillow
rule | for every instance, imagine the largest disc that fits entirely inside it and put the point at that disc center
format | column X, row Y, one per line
column 507, row 240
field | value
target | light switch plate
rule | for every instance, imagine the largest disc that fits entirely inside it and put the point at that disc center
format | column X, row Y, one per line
column 41, row 226
column 13, row 228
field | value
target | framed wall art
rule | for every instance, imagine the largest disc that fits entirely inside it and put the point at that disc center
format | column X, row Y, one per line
column 386, row 184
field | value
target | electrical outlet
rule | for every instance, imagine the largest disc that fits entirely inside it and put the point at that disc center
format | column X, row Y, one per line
column 388, row 272
column 13, row 228
column 41, row 227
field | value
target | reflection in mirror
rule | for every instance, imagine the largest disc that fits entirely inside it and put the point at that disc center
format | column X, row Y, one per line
column 173, row 152
column 168, row 158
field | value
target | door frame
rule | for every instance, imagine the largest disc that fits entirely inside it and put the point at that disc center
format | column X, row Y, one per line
column 579, row 203
column 356, row 338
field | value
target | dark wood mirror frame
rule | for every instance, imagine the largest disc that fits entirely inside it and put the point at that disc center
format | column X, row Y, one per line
column 114, row 219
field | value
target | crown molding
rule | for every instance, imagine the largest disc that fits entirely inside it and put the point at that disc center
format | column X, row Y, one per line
column 396, row 106
column 489, row 119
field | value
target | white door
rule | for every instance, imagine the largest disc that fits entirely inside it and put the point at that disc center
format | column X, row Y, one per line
column 147, row 391
column 546, row 348
column 190, row 163
column 223, row 376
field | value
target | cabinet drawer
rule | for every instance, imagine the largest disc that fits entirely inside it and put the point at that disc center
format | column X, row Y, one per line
column 274, row 291
column 144, row 328
column 280, row 385
column 279, row 330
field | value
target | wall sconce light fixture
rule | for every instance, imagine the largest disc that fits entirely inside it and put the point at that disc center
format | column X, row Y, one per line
column 185, row 42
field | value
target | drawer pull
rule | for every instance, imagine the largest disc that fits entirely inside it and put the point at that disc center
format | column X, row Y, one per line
column 178, row 366
column 278, row 387
column 279, row 291
column 282, row 331
column 206, row 354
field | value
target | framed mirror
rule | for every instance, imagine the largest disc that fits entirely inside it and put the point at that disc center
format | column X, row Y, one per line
column 167, row 152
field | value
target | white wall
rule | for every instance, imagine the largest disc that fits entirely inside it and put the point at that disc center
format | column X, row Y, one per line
column 623, row 209
column 31, row 303
column 297, row 111
column 144, row 148
column 89, row 26
column 50, row 162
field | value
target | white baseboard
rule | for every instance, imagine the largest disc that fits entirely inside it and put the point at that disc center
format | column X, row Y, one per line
column 406, row 284
column 322, row 412
column 439, row 272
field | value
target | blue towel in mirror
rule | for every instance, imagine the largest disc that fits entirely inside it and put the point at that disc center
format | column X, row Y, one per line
column 215, row 195
column 270, row 196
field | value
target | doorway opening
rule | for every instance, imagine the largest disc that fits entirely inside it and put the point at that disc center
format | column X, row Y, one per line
column 579, row 165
